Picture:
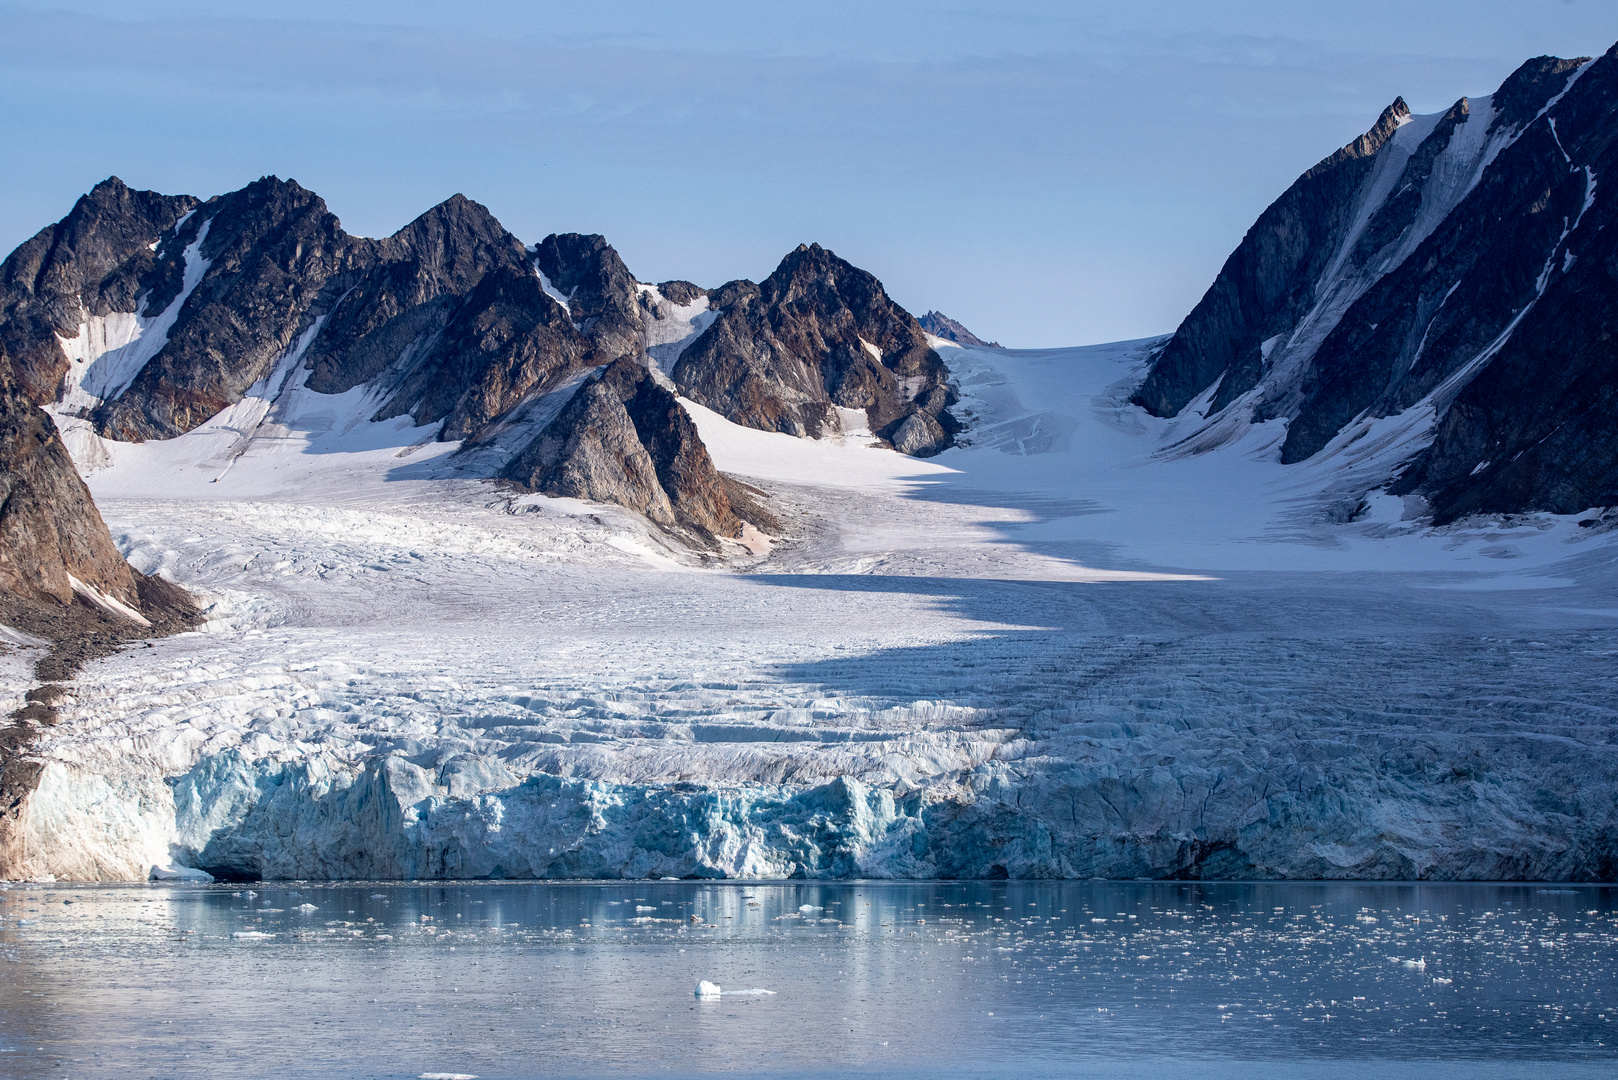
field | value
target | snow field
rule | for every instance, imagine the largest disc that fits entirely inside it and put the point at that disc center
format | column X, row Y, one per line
column 1057, row 650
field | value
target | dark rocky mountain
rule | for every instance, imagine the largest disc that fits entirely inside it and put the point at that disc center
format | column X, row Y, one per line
column 624, row 439
column 97, row 260
column 1445, row 283
column 938, row 324
column 416, row 281
column 269, row 251
column 61, row 577
column 816, row 336
column 149, row 314
column 50, row 532
column 602, row 297
column 504, row 343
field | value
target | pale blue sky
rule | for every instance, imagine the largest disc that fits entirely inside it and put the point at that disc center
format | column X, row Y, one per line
column 1048, row 174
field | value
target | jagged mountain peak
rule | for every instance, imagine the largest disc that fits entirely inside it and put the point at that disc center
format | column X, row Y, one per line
column 1526, row 90
column 585, row 274
column 1396, row 115
column 1383, row 292
column 456, row 214
column 566, row 257
column 681, row 292
column 97, row 260
column 459, row 239
column 816, row 341
column 258, row 295
column 940, row 325
column 811, row 261
column 624, row 439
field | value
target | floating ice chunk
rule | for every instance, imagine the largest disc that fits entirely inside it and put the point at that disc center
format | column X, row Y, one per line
column 706, row 989
column 176, row 872
column 307, row 907
column 644, row 907
column 250, row 935
column 1416, row 965
column 449, row 1076
column 807, row 908
column 754, row 992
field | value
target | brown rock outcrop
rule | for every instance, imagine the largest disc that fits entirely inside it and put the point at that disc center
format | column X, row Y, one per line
column 624, row 439
column 817, row 335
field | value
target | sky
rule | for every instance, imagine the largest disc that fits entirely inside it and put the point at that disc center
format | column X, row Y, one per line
column 1047, row 173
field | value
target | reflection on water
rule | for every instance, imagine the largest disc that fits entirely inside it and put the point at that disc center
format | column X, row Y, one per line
column 1033, row 978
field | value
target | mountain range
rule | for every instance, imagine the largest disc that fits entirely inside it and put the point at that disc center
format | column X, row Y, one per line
column 1413, row 345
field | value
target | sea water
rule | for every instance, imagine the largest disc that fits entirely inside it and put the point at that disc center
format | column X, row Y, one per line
column 935, row 979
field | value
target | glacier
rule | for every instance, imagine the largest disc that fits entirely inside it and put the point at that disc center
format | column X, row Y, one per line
column 1060, row 649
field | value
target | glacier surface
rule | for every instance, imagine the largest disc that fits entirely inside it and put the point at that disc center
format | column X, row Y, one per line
column 1059, row 649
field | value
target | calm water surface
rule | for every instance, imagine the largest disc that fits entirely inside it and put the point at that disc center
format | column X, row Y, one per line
column 930, row 979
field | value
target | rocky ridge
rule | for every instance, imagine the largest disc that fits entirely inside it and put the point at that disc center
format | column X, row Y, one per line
column 816, row 340
column 624, row 439
column 147, row 315
column 940, row 325
column 1445, row 285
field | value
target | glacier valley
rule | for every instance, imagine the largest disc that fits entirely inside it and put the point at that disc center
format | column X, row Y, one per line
column 1058, row 649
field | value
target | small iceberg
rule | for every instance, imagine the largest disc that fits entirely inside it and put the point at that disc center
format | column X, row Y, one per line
column 706, row 989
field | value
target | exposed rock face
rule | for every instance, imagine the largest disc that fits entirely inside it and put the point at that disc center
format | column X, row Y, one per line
column 681, row 292
column 61, row 579
column 270, row 249
column 938, row 324
column 818, row 335
column 506, row 341
column 451, row 321
column 601, row 294
column 1270, row 281
column 446, row 319
column 1451, row 271
column 50, row 532
column 1537, row 427
column 422, row 275
column 624, row 439
column 96, row 261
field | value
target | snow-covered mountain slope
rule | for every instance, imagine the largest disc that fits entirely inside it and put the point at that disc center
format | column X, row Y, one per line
column 1055, row 649
column 1443, row 282
column 514, row 565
